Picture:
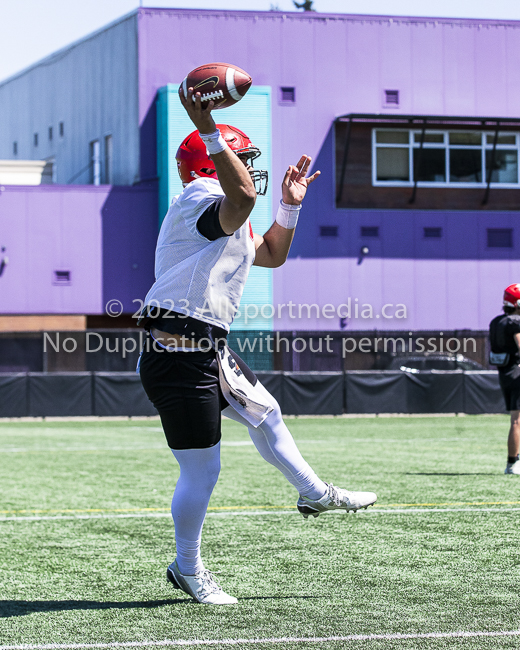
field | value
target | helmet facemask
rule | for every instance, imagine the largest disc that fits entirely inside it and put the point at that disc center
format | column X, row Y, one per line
column 259, row 177
column 260, row 180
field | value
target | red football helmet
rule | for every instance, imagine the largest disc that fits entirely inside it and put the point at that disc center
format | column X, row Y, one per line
column 512, row 296
column 193, row 160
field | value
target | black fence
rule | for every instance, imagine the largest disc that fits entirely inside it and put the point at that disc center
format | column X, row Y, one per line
column 298, row 393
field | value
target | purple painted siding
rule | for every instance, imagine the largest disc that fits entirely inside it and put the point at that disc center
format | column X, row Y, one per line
column 106, row 236
column 129, row 240
column 437, row 294
column 44, row 229
column 401, row 234
column 80, row 229
column 440, row 67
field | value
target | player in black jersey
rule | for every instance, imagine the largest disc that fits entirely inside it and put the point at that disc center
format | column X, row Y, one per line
column 504, row 336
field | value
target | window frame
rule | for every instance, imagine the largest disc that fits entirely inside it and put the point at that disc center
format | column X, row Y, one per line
column 108, row 152
column 95, row 162
column 411, row 145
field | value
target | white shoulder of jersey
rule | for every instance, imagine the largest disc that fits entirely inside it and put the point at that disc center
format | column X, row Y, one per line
column 196, row 197
column 201, row 189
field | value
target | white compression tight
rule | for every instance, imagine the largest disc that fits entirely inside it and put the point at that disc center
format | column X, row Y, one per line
column 199, row 473
column 200, row 469
column 276, row 445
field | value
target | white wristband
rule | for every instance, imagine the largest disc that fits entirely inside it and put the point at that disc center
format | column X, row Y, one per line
column 214, row 142
column 287, row 215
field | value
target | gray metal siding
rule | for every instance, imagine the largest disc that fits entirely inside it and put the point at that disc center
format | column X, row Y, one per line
column 90, row 86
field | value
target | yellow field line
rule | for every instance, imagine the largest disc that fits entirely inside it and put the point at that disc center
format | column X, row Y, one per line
column 217, row 508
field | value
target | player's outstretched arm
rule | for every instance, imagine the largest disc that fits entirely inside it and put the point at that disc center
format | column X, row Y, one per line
column 239, row 190
column 272, row 249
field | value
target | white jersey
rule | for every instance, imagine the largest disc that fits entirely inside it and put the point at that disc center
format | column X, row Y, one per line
column 195, row 276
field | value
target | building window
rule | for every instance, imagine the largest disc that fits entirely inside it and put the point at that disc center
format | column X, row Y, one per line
column 287, row 95
column 432, row 233
column 108, row 160
column 62, row 129
column 95, row 163
column 328, row 231
column 50, row 132
column 369, row 231
column 500, row 238
column 35, row 140
column 444, row 158
column 15, row 148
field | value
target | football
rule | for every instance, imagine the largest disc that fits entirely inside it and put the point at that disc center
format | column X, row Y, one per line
column 223, row 83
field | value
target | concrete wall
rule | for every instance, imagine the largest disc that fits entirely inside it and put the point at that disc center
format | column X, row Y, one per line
column 90, row 86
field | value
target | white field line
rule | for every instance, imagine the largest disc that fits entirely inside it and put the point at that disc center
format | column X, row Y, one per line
column 53, row 450
column 81, row 418
column 233, row 443
column 272, row 640
column 161, row 447
column 256, row 513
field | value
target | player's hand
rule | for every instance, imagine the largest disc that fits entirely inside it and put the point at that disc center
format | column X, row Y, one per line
column 295, row 182
column 201, row 117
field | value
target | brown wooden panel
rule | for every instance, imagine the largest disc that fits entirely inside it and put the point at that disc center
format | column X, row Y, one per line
column 42, row 323
column 358, row 191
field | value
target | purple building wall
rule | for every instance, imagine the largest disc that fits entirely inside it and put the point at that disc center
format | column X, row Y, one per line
column 440, row 67
column 454, row 282
column 103, row 236
column 129, row 216
column 434, row 294
column 106, row 235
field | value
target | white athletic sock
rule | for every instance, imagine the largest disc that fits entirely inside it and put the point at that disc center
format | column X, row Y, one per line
column 276, row 445
column 199, row 473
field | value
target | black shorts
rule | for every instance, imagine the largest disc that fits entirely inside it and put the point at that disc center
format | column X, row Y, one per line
column 510, row 385
column 184, row 388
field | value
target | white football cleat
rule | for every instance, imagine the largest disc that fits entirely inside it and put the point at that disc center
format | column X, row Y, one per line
column 336, row 499
column 202, row 586
column 513, row 468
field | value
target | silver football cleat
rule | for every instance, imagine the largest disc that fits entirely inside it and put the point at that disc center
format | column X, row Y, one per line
column 336, row 499
column 202, row 586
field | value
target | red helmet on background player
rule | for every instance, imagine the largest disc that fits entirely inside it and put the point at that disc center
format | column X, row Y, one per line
column 193, row 160
column 512, row 296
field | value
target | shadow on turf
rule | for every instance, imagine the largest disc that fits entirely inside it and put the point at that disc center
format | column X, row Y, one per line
column 10, row 608
column 450, row 473
column 22, row 607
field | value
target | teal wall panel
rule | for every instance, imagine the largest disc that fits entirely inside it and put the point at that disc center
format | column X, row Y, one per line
column 253, row 116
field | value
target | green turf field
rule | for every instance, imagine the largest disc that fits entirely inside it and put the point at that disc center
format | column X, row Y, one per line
column 85, row 539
